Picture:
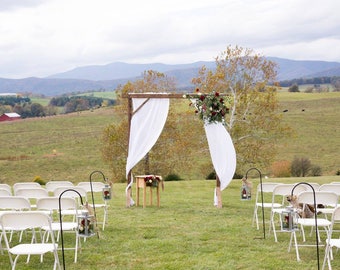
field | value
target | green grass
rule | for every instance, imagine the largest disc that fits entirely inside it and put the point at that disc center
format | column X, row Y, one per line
column 186, row 232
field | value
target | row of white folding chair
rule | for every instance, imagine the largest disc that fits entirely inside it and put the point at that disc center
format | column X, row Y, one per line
column 311, row 198
column 29, row 220
column 25, row 185
column 51, row 205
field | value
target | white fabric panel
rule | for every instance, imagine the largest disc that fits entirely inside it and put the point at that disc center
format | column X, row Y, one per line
column 146, row 126
column 222, row 152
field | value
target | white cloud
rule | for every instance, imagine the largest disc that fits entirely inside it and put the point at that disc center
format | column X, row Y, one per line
column 39, row 38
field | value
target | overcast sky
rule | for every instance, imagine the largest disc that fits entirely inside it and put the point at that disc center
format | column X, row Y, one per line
column 43, row 37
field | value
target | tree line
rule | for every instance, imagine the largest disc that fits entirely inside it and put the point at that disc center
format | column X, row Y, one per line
column 26, row 108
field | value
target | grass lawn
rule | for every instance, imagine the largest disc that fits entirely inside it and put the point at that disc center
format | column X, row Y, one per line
column 187, row 232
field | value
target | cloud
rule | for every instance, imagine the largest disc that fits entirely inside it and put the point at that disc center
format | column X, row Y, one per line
column 40, row 38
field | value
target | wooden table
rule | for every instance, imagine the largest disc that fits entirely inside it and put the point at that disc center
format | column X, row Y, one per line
column 140, row 183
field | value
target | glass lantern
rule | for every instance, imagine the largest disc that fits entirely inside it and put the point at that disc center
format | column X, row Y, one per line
column 107, row 192
column 289, row 219
column 85, row 224
column 245, row 193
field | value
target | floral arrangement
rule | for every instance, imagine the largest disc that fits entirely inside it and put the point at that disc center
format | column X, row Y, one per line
column 210, row 107
column 86, row 226
column 151, row 180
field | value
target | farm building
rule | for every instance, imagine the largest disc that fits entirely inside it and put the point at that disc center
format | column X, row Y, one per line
column 9, row 117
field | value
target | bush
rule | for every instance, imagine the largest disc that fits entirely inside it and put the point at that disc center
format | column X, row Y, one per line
column 338, row 172
column 211, row 176
column 172, row 177
column 300, row 167
column 281, row 168
column 38, row 180
column 316, row 170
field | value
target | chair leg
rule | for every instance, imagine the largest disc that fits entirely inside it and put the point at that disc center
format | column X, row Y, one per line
column 255, row 218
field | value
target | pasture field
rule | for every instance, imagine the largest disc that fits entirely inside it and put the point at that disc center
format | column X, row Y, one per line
column 187, row 232
column 69, row 146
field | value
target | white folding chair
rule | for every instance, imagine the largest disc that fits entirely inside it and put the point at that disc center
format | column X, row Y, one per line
column 31, row 194
column 331, row 240
column 307, row 197
column 267, row 203
column 331, row 188
column 5, row 192
column 51, row 204
column 25, row 185
column 97, row 188
column 52, row 185
column 23, row 221
column 13, row 203
column 7, row 187
column 280, row 193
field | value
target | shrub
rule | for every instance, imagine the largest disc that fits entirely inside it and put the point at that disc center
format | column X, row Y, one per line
column 315, row 170
column 338, row 172
column 294, row 88
column 38, row 179
column 281, row 168
column 211, row 176
column 172, row 177
column 300, row 167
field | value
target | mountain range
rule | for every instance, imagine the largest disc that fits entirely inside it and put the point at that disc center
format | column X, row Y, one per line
column 108, row 77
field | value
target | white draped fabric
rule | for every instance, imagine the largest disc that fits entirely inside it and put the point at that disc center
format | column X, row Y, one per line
column 222, row 152
column 147, row 124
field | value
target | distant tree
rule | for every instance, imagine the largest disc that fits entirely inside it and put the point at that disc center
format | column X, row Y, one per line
column 294, row 88
column 254, row 121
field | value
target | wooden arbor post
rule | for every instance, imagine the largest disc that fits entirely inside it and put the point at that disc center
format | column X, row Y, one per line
column 130, row 96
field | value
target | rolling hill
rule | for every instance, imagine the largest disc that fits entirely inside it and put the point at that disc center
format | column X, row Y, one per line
column 108, row 77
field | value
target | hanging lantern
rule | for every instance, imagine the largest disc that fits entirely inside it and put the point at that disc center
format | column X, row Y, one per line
column 245, row 190
column 289, row 219
column 107, row 192
column 85, row 224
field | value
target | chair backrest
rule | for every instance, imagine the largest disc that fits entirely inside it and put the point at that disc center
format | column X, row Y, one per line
column 7, row 187
column 26, row 185
column 286, row 189
column 321, row 197
column 70, row 192
column 5, row 192
column 31, row 193
column 24, row 220
column 52, row 203
column 52, row 185
column 267, row 187
column 14, row 203
column 330, row 187
column 96, row 186
column 315, row 186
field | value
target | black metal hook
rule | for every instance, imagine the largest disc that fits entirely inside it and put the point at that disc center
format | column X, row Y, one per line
column 61, row 223
column 315, row 217
column 92, row 196
column 263, row 222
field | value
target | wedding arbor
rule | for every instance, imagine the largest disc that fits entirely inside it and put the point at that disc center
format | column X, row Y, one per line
column 147, row 114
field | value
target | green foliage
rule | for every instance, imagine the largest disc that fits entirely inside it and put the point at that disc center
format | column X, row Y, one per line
column 38, row 180
column 172, row 177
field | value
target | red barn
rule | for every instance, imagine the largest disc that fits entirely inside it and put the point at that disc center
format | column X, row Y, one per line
column 9, row 117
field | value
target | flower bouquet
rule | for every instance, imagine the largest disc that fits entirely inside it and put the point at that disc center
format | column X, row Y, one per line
column 151, row 181
column 210, row 107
